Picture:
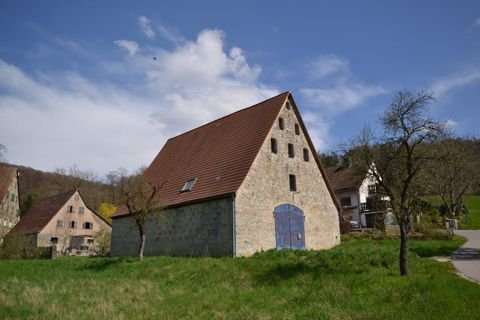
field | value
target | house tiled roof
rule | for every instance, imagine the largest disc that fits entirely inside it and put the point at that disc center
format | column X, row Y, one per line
column 7, row 173
column 40, row 214
column 343, row 178
column 218, row 155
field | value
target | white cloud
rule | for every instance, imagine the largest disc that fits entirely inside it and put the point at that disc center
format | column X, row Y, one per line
column 130, row 46
column 341, row 98
column 334, row 88
column 450, row 123
column 329, row 65
column 145, row 25
column 67, row 118
column 444, row 85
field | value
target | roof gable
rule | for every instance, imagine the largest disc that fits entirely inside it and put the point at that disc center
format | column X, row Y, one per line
column 344, row 178
column 218, row 155
column 41, row 214
column 7, row 174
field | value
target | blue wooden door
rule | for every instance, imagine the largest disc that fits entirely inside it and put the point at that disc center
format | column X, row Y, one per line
column 289, row 227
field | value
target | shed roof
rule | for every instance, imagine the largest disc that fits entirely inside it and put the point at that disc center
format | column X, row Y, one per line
column 218, row 155
column 7, row 173
column 43, row 212
column 40, row 214
column 343, row 178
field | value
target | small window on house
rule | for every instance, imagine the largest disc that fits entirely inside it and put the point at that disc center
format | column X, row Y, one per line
column 87, row 225
column 293, row 182
column 90, row 241
column 59, row 223
column 273, row 145
column 12, row 197
column 291, row 151
column 81, row 210
column 281, row 124
column 305, row 154
column 345, row 201
column 53, row 240
column 70, row 209
column 297, row 129
column 72, row 224
column 287, row 105
column 77, row 197
column 188, row 185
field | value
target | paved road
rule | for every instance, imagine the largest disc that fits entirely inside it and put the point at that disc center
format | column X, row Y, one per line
column 467, row 258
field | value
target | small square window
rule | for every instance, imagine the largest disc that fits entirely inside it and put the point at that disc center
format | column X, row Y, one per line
column 72, row 224
column 293, row 182
column 273, row 145
column 297, row 129
column 70, row 209
column 77, row 197
column 59, row 223
column 87, row 225
column 305, row 154
column 53, row 240
column 291, row 151
column 81, row 210
column 345, row 201
column 12, row 197
column 281, row 124
column 188, row 185
column 287, row 105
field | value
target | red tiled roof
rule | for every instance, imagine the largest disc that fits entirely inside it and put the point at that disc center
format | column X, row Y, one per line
column 7, row 173
column 343, row 178
column 40, row 215
column 218, row 155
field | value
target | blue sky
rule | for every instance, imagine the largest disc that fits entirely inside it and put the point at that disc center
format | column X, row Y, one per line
column 78, row 84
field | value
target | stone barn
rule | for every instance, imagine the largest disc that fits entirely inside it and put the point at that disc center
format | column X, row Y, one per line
column 247, row 182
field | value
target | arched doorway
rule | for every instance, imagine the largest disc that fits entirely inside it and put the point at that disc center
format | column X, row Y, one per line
column 289, row 227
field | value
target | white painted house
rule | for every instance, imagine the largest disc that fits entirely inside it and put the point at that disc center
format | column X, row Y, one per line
column 356, row 194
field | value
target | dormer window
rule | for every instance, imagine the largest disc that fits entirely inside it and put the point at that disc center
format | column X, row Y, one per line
column 281, row 124
column 188, row 185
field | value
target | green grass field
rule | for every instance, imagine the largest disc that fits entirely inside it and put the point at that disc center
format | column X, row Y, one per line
column 472, row 221
column 468, row 222
column 357, row 280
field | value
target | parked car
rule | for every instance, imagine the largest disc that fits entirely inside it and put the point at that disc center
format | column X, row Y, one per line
column 355, row 225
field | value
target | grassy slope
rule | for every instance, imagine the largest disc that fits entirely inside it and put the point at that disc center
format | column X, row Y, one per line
column 472, row 222
column 356, row 280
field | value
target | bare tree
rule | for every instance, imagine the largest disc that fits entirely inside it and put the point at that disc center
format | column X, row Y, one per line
column 397, row 158
column 454, row 173
column 113, row 178
column 3, row 151
column 138, row 195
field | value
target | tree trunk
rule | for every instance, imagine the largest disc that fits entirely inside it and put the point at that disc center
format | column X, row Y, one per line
column 142, row 245
column 404, row 248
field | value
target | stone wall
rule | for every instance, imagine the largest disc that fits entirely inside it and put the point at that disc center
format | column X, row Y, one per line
column 200, row 229
column 267, row 186
column 9, row 208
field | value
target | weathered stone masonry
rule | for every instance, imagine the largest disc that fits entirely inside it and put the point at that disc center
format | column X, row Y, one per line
column 267, row 186
column 200, row 229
